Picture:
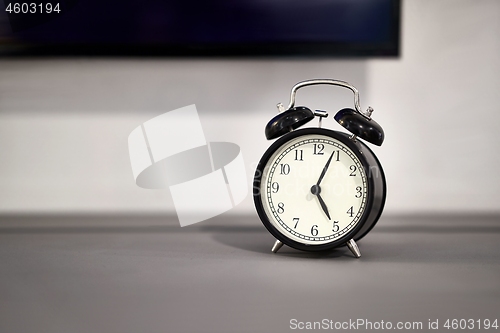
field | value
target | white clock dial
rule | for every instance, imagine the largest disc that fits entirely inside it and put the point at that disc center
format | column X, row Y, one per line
column 300, row 208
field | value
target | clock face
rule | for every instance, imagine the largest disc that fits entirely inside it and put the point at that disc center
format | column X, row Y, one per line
column 314, row 189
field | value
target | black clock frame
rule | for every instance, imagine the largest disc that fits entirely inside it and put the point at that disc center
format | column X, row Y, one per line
column 376, row 189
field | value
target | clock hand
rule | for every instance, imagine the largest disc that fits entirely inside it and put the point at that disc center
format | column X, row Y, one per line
column 323, row 205
column 324, row 169
column 316, row 190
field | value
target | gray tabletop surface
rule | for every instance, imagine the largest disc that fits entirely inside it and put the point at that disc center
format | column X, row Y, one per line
column 133, row 273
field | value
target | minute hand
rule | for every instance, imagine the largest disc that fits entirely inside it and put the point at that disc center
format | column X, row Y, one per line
column 324, row 169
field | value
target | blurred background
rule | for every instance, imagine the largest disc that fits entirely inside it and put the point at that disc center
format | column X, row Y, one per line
column 74, row 87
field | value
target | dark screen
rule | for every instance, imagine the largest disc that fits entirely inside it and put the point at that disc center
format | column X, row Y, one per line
column 220, row 27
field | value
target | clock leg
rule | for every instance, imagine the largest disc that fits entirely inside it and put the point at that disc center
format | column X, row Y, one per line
column 277, row 245
column 351, row 244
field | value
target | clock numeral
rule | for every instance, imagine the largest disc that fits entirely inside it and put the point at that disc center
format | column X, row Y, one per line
column 296, row 220
column 338, row 155
column 318, row 149
column 299, row 154
column 353, row 170
column 285, row 169
column 281, row 208
column 350, row 211
column 314, row 230
column 335, row 226
column 276, row 187
column 358, row 192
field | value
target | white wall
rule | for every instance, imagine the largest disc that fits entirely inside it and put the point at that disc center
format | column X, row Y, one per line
column 64, row 123
column 440, row 105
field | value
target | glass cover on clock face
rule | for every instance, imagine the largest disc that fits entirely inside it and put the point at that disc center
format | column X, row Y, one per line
column 314, row 189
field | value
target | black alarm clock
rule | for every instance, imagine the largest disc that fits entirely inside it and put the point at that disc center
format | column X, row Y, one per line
column 317, row 189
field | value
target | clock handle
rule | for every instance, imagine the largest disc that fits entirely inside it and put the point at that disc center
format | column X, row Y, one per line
column 344, row 84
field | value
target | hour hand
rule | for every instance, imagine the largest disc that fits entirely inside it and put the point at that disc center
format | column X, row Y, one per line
column 316, row 190
column 323, row 205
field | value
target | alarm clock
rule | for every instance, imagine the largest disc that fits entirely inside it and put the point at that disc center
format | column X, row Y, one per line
column 317, row 189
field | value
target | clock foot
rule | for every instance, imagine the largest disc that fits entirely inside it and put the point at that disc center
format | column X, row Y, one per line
column 351, row 244
column 277, row 245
